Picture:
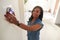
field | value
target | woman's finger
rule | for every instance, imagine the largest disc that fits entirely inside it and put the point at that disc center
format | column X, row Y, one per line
column 8, row 18
column 11, row 18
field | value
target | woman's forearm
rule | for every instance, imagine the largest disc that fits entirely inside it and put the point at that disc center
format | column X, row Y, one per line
column 23, row 26
column 30, row 28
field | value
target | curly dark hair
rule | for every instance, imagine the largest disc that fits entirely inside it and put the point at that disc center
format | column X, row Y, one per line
column 40, row 16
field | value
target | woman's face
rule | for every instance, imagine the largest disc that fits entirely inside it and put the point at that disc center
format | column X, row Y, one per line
column 36, row 13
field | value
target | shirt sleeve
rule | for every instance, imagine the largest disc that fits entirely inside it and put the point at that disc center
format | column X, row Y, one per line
column 39, row 22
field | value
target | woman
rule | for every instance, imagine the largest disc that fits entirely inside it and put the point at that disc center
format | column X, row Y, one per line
column 34, row 24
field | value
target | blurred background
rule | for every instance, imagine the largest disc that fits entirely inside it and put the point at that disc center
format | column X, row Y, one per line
column 22, row 9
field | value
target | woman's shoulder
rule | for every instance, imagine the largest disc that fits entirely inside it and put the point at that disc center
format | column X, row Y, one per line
column 38, row 20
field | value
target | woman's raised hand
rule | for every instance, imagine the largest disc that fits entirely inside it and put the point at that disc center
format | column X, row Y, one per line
column 10, row 18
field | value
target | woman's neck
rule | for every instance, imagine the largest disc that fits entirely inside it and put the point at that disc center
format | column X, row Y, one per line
column 33, row 19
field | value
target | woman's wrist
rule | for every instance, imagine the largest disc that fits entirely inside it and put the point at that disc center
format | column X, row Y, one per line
column 18, row 23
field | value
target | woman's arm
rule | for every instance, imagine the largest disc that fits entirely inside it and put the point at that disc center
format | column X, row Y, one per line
column 13, row 20
column 30, row 28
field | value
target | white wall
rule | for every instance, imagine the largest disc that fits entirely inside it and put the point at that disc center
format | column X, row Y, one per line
column 32, row 3
column 22, row 17
column 57, row 17
column 52, row 5
column 9, row 31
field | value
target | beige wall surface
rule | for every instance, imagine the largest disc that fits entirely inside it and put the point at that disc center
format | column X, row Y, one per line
column 10, row 31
